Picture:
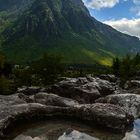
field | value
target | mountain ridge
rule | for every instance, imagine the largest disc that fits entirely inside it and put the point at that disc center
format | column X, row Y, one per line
column 66, row 28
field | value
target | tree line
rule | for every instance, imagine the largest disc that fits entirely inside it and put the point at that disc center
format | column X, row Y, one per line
column 127, row 67
column 42, row 72
column 49, row 69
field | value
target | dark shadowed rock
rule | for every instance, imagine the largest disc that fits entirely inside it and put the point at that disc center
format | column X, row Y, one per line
column 26, row 98
column 130, row 102
column 108, row 77
column 29, row 90
column 104, row 86
column 133, row 84
column 84, row 90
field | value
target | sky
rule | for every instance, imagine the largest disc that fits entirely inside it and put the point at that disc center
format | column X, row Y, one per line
column 123, row 15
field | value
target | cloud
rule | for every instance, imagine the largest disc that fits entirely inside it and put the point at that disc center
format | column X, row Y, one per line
column 136, row 10
column 137, row 2
column 131, row 27
column 99, row 4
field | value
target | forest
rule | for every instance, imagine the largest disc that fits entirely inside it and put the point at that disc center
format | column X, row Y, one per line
column 49, row 69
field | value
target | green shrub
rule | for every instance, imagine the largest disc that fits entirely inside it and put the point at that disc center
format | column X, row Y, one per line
column 6, row 86
column 126, row 68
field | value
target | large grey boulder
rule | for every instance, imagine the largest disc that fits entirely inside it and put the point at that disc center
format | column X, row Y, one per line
column 13, row 110
column 84, row 90
column 10, row 101
column 55, row 100
column 130, row 102
column 48, row 99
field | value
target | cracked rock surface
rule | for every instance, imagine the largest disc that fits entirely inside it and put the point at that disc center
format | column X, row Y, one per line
column 89, row 99
column 84, row 90
column 130, row 102
column 106, row 115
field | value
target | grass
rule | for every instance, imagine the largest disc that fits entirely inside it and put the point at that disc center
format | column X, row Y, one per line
column 73, row 50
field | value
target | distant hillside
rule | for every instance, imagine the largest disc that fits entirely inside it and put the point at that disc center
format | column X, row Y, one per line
column 63, row 27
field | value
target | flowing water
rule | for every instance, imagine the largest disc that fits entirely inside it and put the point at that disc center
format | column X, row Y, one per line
column 66, row 130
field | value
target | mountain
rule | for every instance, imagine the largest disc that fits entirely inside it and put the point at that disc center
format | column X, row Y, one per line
column 63, row 27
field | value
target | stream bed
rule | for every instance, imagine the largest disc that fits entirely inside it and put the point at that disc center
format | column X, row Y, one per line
column 66, row 130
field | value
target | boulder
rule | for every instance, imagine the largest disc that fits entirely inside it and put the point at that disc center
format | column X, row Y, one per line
column 54, row 100
column 109, row 77
column 84, row 90
column 104, row 86
column 130, row 102
column 47, row 99
column 10, row 101
column 106, row 115
column 132, row 84
column 29, row 90
column 26, row 98
column 15, row 109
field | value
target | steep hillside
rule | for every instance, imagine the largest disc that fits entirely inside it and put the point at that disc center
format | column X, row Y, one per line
column 62, row 27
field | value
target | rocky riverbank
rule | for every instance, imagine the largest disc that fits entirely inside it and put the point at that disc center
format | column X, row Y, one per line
column 97, row 100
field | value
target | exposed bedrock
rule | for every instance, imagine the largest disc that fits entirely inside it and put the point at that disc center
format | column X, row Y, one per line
column 84, row 90
column 15, row 109
column 129, row 102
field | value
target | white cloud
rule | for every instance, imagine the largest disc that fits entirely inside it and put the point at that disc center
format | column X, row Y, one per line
column 137, row 2
column 131, row 27
column 136, row 10
column 99, row 4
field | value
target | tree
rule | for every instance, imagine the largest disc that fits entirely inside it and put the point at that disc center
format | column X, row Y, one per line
column 47, row 69
column 127, row 67
column 2, row 64
column 116, row 66
column 22, row 76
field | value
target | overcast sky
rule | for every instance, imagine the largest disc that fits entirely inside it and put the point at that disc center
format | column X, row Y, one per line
column 124, row 15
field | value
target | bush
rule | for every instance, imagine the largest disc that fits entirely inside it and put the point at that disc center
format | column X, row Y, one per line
column 6, row 86
column 47, row 70
column 42, row 72
column 22, row 76
column 126, row 68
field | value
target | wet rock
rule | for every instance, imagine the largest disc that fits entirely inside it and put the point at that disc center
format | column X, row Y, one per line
column 114, row 111
column 135, row 134
column 84, row 90
column 130, row 102
column 106, row 115
column 76, row 135
column 54, row 100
